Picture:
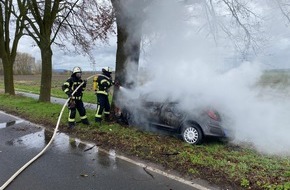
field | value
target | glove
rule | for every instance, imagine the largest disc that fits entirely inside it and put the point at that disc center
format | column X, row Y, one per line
column 116, row 84
column 69, row 93
column 85, row 81
column 71, row 104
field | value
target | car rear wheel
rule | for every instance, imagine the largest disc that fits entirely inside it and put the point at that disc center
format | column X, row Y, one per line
column 191, row 134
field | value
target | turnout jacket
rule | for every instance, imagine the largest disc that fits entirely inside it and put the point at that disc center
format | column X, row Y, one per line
column 104, row 83
column 71, row 84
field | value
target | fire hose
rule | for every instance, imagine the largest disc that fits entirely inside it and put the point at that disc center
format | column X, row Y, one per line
column 46, row 147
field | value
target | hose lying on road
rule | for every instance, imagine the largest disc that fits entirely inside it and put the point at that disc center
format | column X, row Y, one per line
column 46, row 147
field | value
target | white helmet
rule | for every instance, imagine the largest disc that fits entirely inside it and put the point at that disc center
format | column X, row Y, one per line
column 77, row 70
column 107, row 69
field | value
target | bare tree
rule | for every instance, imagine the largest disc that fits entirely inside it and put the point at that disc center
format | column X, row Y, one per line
column 241, row 25
column 48, row 19
column 11, row 22
column 237, row 19
column 284, row 7
column 36, row 68
column 89, row 22
column 24, row 64
column 129, row 16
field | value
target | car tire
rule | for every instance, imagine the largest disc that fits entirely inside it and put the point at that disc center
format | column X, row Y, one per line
column 191, row 134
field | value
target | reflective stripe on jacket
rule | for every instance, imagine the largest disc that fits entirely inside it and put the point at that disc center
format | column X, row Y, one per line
column 104, row 83
column 71, row 84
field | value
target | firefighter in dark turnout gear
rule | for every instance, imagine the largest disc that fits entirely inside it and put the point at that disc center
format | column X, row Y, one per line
column 104, row 82
column 75, row 102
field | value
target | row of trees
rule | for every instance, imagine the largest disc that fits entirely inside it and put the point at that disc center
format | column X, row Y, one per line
column 24, row 64
column 85, row 22
column 44, row 22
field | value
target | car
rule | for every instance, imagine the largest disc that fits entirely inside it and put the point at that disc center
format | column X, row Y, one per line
column 192, row 125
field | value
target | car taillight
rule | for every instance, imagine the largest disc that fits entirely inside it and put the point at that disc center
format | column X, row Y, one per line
column 213, row 115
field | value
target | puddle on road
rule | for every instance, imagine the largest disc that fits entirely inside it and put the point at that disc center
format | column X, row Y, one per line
column 41, row 138
column 65, row 144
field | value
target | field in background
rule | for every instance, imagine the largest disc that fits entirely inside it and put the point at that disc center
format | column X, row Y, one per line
column 272, row 79
column 31, row 83
column 276, row 79
column 273, row 83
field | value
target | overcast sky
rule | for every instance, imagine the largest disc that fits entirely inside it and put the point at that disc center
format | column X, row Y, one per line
column 275, row 55
column 104, row 55
column 274, row 52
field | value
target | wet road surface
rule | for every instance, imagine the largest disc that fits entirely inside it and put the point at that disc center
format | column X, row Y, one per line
column 69, row 163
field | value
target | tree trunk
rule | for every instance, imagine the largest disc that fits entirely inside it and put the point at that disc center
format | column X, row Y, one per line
column 8, row 75
column 128, row 50
column 128, row 45
column 46, row 74
column 121, row 56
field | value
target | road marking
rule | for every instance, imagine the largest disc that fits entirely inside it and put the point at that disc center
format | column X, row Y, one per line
column 179, row 179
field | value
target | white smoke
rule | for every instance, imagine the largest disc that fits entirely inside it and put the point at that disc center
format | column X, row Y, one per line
column 186, row 65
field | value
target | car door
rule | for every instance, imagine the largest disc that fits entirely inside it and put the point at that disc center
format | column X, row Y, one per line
column 170, row 116
column 153, row 111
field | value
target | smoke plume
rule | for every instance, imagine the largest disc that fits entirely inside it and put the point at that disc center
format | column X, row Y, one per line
column 181, row 61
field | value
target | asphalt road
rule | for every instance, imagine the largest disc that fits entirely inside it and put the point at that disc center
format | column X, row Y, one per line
column 70, row 163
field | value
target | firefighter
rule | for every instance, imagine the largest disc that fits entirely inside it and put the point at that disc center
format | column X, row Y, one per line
column 75, row 102
column 104, row 82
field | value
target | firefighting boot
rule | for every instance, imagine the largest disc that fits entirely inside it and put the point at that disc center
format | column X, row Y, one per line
column 85, row 121
column 98, row 121
column 71, row 125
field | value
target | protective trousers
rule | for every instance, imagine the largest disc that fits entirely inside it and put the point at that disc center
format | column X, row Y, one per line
column 102, row 105
column 79, row 105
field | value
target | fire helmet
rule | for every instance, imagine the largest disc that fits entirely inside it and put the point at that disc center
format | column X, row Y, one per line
column 107, row 69
column 76, row 70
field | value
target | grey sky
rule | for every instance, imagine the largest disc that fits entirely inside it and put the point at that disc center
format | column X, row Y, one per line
column 104, row 55
column 274, row 52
